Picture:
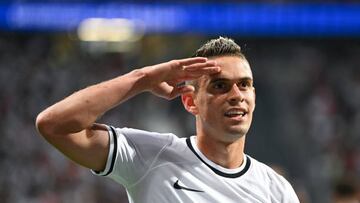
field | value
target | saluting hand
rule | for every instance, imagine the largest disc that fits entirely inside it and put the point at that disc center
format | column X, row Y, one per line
column 164, row 78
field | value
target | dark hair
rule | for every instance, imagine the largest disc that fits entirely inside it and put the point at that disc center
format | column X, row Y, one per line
column 221, row 46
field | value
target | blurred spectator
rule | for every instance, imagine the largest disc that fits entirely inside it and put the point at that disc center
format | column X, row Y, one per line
column 346, row 191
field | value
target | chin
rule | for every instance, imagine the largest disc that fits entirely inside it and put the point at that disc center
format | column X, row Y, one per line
column 236, row 133
column 238, row 128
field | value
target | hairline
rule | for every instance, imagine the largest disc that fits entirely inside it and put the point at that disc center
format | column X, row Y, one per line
column 195, row 82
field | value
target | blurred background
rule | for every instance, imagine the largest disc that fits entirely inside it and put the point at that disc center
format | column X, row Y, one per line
column 304, row 56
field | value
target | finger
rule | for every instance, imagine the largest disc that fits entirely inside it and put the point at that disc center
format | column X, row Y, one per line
column 203, row 71
column 163, row 89
column 195, row 74
column 190, row 61
column 196, row 66
column 186, row 89
column 177, row 91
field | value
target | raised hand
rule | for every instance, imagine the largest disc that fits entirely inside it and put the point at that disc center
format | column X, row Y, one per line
column 164, row 78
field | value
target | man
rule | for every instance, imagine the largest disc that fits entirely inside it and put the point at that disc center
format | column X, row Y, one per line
column 154, row 167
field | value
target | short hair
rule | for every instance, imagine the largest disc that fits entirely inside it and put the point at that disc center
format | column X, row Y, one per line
column 221, row 46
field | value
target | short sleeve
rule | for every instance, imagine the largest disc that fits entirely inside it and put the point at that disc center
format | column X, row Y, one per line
column 111, row 154
column 131, row 153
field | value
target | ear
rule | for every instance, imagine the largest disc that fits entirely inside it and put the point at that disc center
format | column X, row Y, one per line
column 189, row 103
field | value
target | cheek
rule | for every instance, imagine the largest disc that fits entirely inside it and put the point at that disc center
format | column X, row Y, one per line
column 251, row 101
column 208, row 107
column 201, row 104
column 214, row 104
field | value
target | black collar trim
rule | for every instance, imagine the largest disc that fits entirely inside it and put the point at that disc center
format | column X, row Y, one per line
column 227, row 175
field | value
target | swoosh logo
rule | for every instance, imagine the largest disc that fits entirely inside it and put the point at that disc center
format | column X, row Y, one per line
column 180, row 187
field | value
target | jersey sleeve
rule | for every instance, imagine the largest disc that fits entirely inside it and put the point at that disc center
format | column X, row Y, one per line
column 113, row 145
column 131, row 153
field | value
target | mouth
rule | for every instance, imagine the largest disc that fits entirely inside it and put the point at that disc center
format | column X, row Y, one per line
column 235, row 113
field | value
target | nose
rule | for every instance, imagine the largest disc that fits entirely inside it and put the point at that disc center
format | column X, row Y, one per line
column 235, row 94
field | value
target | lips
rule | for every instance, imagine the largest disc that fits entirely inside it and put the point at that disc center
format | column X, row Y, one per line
column 235, row 112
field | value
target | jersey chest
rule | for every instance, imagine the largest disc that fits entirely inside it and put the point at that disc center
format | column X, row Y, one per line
column 195, row 182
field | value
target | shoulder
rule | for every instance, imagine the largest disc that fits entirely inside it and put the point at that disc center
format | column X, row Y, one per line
column 279, row 187
column 265, row 171
column 145, row 137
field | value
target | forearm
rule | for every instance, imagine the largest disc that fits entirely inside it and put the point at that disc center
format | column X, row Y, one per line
column 81, row 109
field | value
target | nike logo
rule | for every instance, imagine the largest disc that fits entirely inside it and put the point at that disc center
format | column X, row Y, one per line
column 180, row 187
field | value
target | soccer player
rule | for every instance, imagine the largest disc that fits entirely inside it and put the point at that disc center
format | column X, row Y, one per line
column 160, row 167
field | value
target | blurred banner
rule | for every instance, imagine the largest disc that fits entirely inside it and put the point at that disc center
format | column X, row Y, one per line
column 246, row 19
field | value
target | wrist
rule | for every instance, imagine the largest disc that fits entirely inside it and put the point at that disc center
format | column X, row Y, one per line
column 148, row 77
column 142, row 79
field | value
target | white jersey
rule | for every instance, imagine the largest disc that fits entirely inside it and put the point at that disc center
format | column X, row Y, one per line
column 162, row 168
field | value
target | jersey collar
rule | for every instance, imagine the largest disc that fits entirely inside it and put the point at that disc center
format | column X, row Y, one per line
column 225, row 172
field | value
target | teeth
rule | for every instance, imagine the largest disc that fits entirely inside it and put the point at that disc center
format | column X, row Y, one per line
column 235, row 113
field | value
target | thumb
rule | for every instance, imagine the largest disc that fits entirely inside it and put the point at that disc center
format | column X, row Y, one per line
column 186, row 89
column 181, row 90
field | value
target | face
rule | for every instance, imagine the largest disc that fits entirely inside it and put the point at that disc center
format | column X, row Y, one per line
column 224, row 102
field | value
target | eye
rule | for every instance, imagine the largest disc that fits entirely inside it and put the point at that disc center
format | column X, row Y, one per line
column 219, row 85
column 245, row 84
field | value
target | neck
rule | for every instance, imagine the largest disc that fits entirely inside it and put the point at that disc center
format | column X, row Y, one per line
column 226, row 154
